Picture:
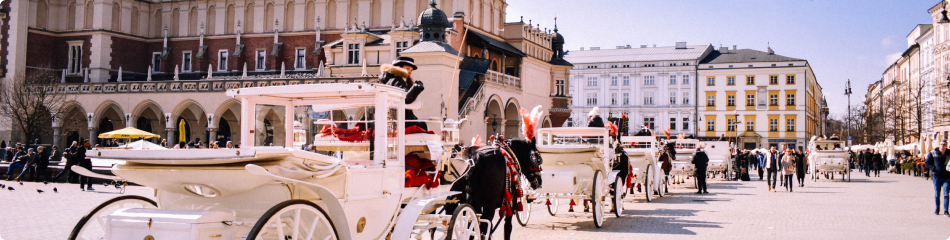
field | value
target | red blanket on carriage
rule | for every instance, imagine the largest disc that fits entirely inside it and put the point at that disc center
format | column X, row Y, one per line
column 355, row 135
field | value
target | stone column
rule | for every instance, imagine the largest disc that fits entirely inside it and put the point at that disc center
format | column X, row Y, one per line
column 93, row 136
column 172, row 140
column 212, row 135
column 56, row 137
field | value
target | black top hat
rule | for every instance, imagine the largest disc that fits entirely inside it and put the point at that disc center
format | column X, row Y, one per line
column 403, row 61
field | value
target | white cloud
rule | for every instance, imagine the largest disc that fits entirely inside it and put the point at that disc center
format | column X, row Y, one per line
column 891, row 58
column 886, row 42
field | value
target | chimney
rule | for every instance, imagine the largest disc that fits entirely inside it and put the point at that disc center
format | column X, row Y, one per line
column 594, row 48
column 643, row 46
column 621, row 47
column 724, row 49
column 582, row 48
column 654, row 45
column 628, row 46
column 680, row 45
column 733, row 47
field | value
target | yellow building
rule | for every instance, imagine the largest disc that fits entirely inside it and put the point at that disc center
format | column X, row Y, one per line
column 756, row 98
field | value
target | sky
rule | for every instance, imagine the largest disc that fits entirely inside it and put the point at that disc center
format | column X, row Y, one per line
column 841, row 39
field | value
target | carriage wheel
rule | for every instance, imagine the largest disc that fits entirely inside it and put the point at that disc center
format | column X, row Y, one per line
column 93, row 224
column 464, row 224
column 294, row 219
column 525, row 212
column 597, row 198
column 618, row 196
column 648, row 184
column 552, row 209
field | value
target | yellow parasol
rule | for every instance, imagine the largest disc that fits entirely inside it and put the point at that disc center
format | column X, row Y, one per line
column 181, row 131
column 128, row 133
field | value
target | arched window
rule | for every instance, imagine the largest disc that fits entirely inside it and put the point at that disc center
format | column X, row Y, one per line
column 211, row 23
column 135, row 21
column 173, row 29
column 116, row 17
column 70, row 16
column 288, row 24
column 229, row 20
column 87, row 19
column 269, row 17
column 249, row 18
column 331, row 15
column 310, row 20
column 157, row 24
column 193, row 22
column 42, row 9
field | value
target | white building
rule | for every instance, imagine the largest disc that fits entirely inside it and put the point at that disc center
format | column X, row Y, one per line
column 652, row 86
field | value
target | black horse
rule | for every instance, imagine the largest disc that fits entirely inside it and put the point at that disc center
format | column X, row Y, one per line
column 667, row 156
column 483, row 186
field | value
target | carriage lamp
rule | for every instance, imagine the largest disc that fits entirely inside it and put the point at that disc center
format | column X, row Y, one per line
column 201, row 190
column 494, row 122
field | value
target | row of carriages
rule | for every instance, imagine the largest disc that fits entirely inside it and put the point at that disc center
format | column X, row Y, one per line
column 355, row 189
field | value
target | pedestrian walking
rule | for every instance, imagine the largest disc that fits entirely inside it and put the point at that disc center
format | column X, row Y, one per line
column 868, row 162
column 879, row 163
column 84, row 163
column 937, row 163
column 781, row 178
column 771, row 164
column 701, row 161
column 760, row 156
column 788, row 168
column 800, row 167
column 70, row 156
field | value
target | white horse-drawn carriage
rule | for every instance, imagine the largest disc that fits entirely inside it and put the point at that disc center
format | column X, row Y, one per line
column 720, row 159
column 683, row 167
column 345, row 190
column 578, row 167
column 827, row 158
column 646, row 172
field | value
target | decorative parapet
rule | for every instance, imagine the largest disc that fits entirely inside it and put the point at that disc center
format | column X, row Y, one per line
column 195, row 86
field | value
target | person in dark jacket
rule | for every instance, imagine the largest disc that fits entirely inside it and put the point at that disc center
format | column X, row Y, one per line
column 30, row 165
column 800, row 167
column 84, row 163
column 399, row 74
column 9, row 156
column 878, row 163
column 70, row 156
column 937, row 163
column 594, row 119
column 17, row 162
column 750, row 160
column 701, row 161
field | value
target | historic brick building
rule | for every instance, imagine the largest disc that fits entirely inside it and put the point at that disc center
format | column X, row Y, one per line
column 152, row 64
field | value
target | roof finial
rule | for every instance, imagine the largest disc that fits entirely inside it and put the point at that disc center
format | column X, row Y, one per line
column 555, row 23
column 432, row 3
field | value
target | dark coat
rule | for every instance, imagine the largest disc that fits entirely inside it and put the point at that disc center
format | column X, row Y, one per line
column 398, row 77
column 81, row 157
column 596, row 122
column 701, row 161
column 877, row 161
column 42, row 159
column 56, row 156
column 937, row 163
column 17, row 156
column 800, row 165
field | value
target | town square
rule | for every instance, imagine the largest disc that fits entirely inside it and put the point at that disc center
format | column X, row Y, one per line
column 474, row 119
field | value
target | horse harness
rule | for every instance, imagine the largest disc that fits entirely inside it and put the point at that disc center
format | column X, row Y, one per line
column 512, row 179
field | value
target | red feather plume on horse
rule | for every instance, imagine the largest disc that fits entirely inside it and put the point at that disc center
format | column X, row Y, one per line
column 531, row 121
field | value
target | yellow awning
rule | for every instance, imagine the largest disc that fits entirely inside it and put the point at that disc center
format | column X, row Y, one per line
column 128, row 133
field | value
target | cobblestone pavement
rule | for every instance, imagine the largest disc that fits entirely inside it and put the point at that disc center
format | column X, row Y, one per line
column 889, row 207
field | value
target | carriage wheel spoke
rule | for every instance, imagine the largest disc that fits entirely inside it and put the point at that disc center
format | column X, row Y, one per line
column 280, row 227
column 313, row 226
column 296, row 224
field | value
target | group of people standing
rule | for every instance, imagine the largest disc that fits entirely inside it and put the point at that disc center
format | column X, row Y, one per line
column 871, row 161
column 35, row 162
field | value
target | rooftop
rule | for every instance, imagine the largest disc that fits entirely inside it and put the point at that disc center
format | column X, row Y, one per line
column 745, row 55
column 691, row 52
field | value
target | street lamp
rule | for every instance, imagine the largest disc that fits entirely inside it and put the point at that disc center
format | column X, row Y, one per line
column 736, row 123
column 847, row 91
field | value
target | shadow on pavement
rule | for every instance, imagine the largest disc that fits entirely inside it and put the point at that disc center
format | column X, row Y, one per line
column 668, row 220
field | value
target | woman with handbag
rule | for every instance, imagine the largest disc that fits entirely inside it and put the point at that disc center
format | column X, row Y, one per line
column 788, row 168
